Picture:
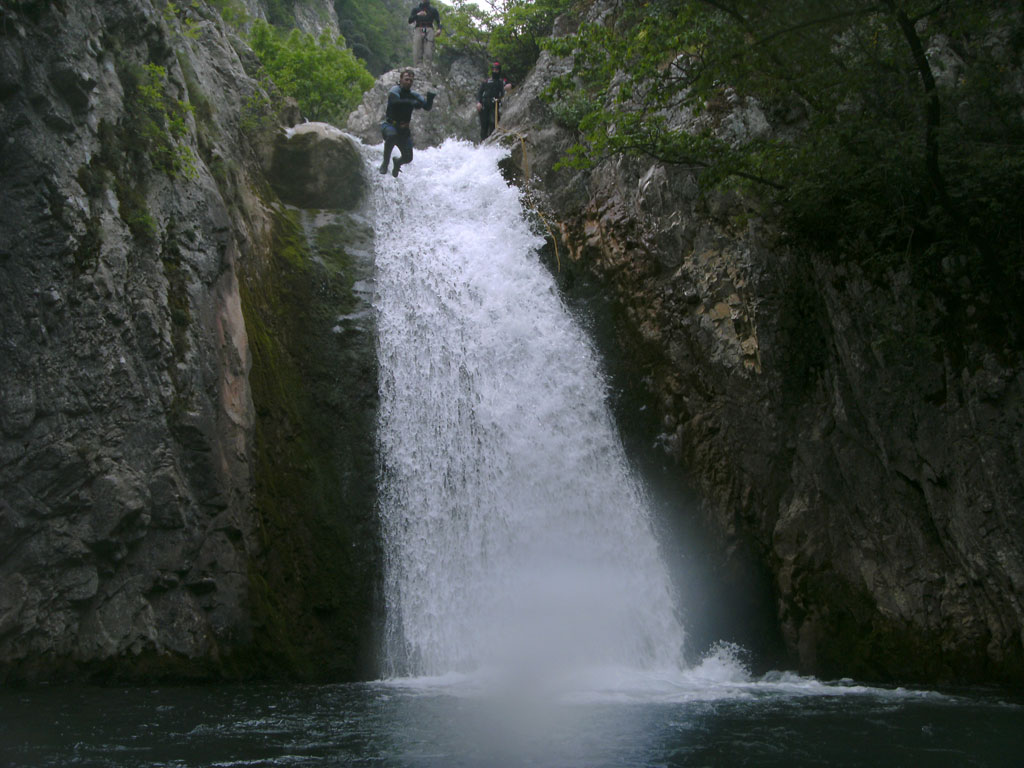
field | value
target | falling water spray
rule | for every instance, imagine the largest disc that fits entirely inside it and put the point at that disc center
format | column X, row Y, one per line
column 516, row 536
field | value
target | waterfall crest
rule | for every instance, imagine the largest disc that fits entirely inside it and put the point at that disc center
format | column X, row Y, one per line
column 514, row 531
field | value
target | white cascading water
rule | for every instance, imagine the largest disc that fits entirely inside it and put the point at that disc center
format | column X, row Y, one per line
column 515, row 535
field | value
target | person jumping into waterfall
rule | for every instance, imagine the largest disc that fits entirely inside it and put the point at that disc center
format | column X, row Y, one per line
column 488, row 100
column 402, row 100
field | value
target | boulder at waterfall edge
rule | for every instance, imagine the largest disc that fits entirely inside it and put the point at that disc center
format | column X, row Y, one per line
column 315, row 165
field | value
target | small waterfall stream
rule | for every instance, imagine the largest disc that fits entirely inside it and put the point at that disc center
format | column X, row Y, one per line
column 515, row 534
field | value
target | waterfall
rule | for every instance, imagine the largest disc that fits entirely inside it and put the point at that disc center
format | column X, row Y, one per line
column 514, row 531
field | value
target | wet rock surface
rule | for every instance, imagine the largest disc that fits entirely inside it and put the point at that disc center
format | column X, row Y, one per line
column 133, row 529
column 315, row 165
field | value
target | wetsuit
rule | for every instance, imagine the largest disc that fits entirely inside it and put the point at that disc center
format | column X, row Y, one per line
column 489, row 95
column 423, row 32
column 396, row 126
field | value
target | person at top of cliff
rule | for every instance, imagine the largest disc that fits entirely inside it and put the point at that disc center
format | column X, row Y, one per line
column 488, row 99
column 395, row 129
column 423, row 18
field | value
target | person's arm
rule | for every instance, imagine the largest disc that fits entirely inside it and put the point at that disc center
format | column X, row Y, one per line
column 395, row 98
column 437, row 18
column 412, row 16
column 425, row 104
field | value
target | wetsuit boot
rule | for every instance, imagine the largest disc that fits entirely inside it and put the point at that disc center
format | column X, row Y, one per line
column 397, row 166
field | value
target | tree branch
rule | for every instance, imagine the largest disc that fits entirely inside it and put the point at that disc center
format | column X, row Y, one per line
column 728, row 11
column 929, row 12
column 933, row 108
column 815, row 22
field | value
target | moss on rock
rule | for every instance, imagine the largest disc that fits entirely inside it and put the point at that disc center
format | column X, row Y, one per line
column 314, row 389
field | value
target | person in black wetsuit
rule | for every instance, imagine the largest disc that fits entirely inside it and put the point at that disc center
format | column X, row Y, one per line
column 423, row 18
column 488, row 100
column 402, row 100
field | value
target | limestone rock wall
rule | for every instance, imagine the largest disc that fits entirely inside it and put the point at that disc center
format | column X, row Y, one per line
column 312, row 16
column 316, row 16
column 870, row 461
column 140, row 246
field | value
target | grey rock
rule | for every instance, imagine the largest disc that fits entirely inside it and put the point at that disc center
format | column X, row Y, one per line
column 312, row 16
column 73, row 84
column 317, row 166
column 20, row 410
column 10, row 71
column 133, row 536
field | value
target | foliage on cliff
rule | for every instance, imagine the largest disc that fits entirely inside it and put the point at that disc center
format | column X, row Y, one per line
column 323, row 76
column 376, row 30
column 891, row 128
column 511, row 31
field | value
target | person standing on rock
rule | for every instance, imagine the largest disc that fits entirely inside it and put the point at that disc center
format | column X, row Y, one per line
column 423, row 18
column 395, row 129
column 488, row 100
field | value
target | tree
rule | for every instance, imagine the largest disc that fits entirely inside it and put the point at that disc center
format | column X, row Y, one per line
column 466, row 32
column 376, row 30
column 324, row 76
column 893, row 126
column 518, row 29
column 510, row 31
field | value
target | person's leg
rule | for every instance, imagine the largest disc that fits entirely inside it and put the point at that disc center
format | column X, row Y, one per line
column 428, row 47
column 417, row 46
column 389, row 145
column 404, row 144
column 485, row 122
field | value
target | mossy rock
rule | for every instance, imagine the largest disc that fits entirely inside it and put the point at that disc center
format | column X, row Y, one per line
column 313, row 584
column 317, row 166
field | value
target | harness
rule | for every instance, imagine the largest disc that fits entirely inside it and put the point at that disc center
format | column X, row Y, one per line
column 428, row 22
column 493, row 90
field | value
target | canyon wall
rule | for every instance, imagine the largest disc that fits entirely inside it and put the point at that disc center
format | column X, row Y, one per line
column 836, row 424
column 186, row 440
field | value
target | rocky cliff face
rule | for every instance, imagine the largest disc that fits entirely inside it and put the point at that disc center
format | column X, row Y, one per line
column 831, row 420
column 173, row 343
column 312, row 16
